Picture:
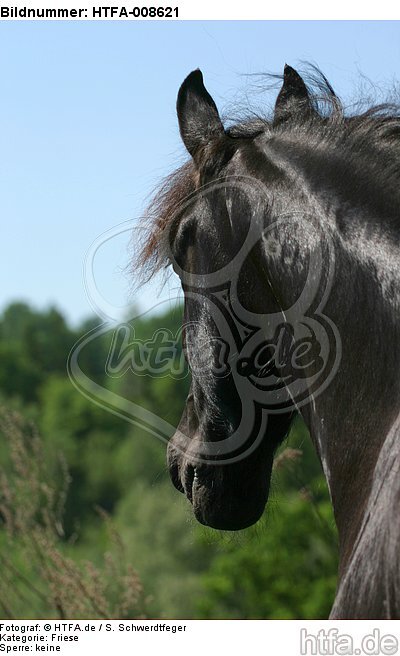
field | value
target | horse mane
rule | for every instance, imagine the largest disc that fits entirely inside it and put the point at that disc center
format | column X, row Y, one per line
column 377, row 542
column 161, row 212
column 362, row 131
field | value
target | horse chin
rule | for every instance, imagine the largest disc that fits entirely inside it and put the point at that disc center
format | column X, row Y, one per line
column 219, row 509
column 225, row 518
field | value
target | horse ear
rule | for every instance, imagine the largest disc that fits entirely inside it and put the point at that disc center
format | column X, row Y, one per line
column 292, row 98
column 199, row 121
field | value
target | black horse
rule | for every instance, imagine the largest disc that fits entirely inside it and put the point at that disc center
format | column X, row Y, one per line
column 285, row 234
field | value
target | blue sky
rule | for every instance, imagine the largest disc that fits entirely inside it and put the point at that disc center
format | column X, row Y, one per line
column 88, row 128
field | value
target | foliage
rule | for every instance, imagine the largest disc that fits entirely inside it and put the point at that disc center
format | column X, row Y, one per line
column 37, row 574
column 283, row 569
column 285, row 566
column 55, row 547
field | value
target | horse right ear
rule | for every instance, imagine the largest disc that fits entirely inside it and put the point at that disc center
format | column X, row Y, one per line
column 199, row 121
column 293, row 97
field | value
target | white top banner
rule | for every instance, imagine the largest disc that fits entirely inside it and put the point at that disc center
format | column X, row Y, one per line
column 160, row 10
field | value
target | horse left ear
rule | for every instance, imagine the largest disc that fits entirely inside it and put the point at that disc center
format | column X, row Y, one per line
column 199, row 121
column 293, row 97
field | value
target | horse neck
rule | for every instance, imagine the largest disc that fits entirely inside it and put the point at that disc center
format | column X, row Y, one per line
column 351, row 422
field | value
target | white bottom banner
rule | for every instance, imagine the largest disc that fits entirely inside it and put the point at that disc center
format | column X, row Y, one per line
column 197, row 637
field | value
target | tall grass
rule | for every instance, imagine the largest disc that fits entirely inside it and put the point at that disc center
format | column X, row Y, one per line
column 36, row 572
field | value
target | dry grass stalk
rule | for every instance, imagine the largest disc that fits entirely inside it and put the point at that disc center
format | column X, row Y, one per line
column 35, row 570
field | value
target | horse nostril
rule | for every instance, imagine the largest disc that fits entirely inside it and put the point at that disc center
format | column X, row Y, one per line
column 175, row 477
column 174, row 464
column 189, row 477
column 176, row 480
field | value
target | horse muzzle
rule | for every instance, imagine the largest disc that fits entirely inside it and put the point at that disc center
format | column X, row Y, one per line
column 228, row 497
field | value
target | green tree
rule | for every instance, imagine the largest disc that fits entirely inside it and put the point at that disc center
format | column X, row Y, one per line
column 33, row 345
column 285, row 567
